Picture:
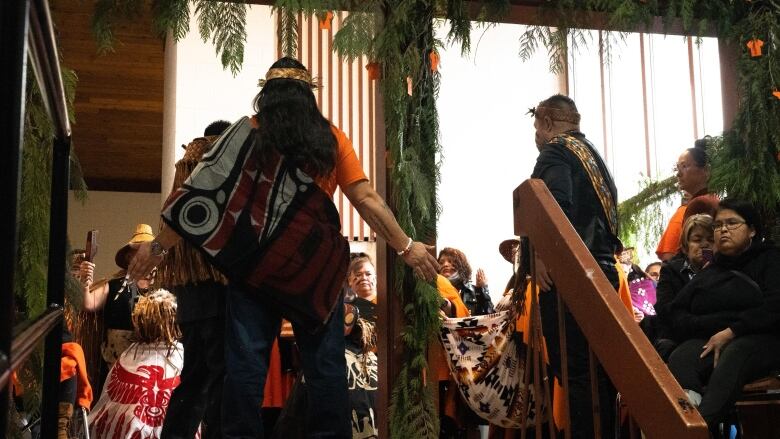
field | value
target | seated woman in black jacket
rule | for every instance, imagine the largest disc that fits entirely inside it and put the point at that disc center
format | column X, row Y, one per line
column 696, row 242
column 728, row 317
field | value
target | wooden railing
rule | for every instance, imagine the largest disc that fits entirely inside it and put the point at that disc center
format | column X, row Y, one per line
column 654, row 399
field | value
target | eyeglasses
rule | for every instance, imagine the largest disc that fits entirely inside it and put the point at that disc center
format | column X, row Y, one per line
column 730, row 224
column 681, row 167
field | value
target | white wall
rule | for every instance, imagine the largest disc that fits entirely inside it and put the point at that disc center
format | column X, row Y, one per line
column 205, row 91
column 488, row 143
column 114, row 215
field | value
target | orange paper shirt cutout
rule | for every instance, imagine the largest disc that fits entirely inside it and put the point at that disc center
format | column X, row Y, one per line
column 326, row 20
column 755, row 47
column 434, row 57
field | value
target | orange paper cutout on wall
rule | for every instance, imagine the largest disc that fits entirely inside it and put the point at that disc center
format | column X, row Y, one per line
column 755, row 47
column 434, row 57
column 373, row 71
column 776, row 94
column 326, row 20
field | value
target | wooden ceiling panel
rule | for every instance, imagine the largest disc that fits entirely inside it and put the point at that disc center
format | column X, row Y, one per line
column 119, row 99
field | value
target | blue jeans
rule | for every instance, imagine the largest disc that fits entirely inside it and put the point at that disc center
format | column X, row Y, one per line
column 252, row 325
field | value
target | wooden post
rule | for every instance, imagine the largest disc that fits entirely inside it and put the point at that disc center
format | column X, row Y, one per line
column 729, row 55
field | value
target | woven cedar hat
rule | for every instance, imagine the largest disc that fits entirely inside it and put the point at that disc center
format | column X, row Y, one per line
column 143, row 233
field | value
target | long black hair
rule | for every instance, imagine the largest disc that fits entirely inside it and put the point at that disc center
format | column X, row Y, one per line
column 290, row 122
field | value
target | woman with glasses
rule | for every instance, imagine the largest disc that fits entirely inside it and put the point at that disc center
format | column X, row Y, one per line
column 693, row 174
column 727, row 318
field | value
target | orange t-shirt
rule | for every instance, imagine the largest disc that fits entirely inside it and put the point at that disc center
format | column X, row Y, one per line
column 348, row 169
column 670, row 240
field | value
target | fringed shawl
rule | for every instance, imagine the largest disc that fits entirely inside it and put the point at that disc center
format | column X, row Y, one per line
column 272, row 230
column 185, row 264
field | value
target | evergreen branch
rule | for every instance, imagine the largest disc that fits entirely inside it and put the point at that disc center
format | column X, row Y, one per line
column 105, row 13
column 355, row 37
column 640, row 216
column 172, row 16
column 288, row 31
column 225, row 24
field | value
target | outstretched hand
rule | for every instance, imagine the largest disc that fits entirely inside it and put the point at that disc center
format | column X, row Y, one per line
column 143, row 261
column 424, row 265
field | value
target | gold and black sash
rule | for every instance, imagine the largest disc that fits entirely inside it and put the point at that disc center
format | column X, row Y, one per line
column 585, row 155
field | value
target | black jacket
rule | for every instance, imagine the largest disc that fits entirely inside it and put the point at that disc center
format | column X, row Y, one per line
column 675, row 274
column 571, row 187
column 476, row 299
column 741, row 293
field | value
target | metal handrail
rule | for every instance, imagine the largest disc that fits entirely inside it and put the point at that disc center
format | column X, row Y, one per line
column 46, row 65
column 29, row 338
column 28, row 33
column 621, row 347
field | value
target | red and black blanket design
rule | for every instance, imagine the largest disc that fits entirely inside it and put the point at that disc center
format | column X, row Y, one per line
column 272, row 229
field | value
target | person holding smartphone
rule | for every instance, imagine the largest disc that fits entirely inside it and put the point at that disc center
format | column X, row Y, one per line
column 696, row 251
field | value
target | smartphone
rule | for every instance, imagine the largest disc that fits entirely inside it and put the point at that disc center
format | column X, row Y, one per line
column 92, row 246
column 706, row 256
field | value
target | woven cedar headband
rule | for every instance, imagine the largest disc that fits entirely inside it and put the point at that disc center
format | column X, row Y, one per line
column 556, row 114
column 289, row 73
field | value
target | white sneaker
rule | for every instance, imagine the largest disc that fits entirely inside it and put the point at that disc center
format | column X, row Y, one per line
column 694, row 397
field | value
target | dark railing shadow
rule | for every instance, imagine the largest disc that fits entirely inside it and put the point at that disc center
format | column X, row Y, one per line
column 27, row 33
column 654, row 399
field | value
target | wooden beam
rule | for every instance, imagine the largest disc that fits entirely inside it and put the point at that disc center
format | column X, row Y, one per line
column 729, row 88
column 530, row 13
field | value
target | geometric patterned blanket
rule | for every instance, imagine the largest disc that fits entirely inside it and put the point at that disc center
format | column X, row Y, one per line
column 487, row 360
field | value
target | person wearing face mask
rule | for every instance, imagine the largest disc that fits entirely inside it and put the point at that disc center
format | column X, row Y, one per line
column 693, row 175
column 697, row 246
column 728, row 317
column 456, row 268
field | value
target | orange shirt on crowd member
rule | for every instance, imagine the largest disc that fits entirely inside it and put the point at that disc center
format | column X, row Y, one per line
column 669, row 244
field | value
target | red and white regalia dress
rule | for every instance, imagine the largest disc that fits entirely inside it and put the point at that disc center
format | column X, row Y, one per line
column 136, row 393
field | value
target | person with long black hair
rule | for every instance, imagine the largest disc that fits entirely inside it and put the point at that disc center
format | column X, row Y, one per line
column 260, row 206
